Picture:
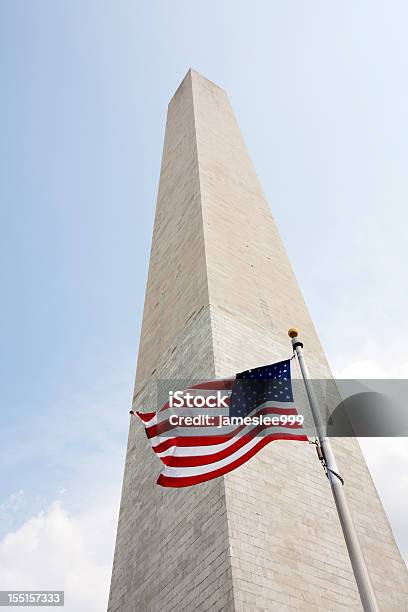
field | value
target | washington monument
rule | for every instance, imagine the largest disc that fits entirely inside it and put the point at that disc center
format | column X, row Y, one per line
column 220, row 298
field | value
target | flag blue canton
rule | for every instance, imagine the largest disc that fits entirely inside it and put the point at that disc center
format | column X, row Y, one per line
column 252, row 388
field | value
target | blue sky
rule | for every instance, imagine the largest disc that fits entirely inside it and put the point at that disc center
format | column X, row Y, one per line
column 320, row 93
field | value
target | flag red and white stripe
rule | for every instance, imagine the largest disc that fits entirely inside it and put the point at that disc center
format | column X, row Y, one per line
column 196, row 454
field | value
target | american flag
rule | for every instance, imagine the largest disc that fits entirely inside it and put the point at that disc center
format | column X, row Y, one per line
column 194, row 454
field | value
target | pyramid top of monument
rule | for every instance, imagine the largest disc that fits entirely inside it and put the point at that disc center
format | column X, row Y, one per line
column 195, row 75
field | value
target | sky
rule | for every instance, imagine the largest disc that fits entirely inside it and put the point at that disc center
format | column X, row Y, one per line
column 320, row 94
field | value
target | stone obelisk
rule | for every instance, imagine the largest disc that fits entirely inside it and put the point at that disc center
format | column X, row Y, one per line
column 220, row 297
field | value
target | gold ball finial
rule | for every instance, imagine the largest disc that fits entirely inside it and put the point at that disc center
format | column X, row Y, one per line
column 293, row 332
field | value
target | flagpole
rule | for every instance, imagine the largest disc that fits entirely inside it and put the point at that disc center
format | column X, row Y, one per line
column 367, row 595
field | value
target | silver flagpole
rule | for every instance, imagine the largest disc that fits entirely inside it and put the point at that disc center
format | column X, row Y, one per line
column 325, row 452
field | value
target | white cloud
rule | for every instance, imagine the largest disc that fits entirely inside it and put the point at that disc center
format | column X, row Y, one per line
column 387, row 458
column 61, row 551
column 66, row 544
column 366, row 369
